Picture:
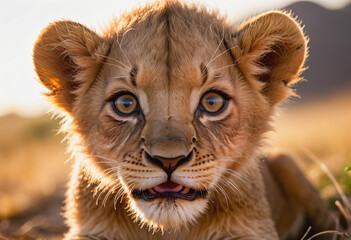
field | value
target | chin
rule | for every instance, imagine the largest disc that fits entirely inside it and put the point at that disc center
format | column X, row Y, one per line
column 168, row 213
column 168, row 206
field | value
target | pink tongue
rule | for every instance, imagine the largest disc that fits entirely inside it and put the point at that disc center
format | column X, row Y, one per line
column 168, row 187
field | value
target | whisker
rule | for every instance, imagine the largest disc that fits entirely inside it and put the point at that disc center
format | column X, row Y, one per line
column 228, row 49
column 225, row 160
column 230, row 65
column 228, row 159
column 120, row 47
column 130, row 186
column 108, row 162
column 119, row 195
column 224, row 193
column 216, row 188
column 119, row 77
column 107, row 159
column 220, row 43
column 217, row 57
column 232, row 185
column 107, row 196
column 234, row 174
column 101, row 192
column 115, row 60
column 109, row 170
column 114, row 65
column 105, row 188
column 241, row 179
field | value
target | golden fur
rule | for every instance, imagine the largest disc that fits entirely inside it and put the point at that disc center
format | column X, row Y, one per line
column 168, row 55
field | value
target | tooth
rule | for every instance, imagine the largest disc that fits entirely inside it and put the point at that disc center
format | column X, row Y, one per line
column 152, row 191
column 185, row 190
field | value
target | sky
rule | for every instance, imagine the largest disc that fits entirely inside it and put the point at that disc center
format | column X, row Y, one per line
column 21, row 22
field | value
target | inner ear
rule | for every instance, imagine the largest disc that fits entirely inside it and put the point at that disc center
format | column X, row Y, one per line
column 67, row 59
column 60, row 72
column 268, row 61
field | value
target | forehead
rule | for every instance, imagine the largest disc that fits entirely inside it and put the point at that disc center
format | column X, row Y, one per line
column 168, row 42
column 173, row 50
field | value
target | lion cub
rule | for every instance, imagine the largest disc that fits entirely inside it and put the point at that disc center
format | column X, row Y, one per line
column 165, row 112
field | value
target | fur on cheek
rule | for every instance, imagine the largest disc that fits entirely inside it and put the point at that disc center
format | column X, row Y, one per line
column 166, row 214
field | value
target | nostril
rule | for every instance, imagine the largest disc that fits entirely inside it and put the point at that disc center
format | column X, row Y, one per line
column 168, row 164
column 193, row 139
column 185, row 159
column 154, row 160
column 143, row 140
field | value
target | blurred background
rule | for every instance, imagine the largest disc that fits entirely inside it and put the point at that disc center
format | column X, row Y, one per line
column 33, row 171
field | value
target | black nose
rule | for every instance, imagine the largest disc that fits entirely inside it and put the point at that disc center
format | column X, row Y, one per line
column 168, row 164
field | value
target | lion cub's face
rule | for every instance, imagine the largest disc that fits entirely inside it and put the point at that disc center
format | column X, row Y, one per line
column 168, row 122
column 170, row 103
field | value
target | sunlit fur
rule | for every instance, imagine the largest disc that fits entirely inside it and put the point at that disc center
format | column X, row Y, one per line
column 159, row 53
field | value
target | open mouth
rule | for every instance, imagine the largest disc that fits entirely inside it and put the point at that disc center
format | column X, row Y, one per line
column 169, row 190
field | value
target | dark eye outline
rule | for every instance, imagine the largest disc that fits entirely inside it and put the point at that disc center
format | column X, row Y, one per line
column 119, row 94
column 223, row 107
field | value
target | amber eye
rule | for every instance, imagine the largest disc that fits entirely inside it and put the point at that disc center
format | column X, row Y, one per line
column 125, row 104
column 213, row 102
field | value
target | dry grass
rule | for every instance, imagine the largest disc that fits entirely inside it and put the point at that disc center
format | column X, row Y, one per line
column 344, row 206
column 321, row 128
column 324, row 128
column 32, row 176
column 32, row 162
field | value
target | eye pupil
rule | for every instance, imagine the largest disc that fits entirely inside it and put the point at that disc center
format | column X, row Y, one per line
column 213, row 102
column 125, row 104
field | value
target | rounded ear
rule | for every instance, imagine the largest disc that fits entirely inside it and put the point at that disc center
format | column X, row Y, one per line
column 67, row 56
column 270, row 50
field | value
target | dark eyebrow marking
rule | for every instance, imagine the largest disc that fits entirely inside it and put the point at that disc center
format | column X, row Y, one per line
column 204, row 73
column 132, row 74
